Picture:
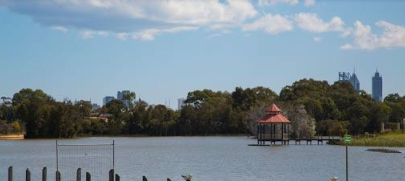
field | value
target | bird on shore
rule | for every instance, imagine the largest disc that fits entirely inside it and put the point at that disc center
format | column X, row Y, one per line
column 187, row 177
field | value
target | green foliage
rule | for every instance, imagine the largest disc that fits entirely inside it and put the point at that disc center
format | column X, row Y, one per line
column 313, row 107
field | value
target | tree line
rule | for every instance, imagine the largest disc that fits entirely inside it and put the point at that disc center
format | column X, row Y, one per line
column 313, row 107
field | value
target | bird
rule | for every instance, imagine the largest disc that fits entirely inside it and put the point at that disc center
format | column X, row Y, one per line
column 187, row 177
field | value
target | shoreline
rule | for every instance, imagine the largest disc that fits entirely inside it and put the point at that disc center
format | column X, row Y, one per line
column 131, row 136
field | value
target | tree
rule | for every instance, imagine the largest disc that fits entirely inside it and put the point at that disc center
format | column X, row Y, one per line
column 381, row 113
column 117, row 109
column 84, row 108
column 302, row 125
column 130, row 97
column 139, row 119
column 33, row 108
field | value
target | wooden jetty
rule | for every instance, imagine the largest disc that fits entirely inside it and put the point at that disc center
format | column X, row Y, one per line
column 317, row 140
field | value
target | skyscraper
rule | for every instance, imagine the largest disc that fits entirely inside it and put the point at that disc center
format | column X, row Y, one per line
column 120, row 96
column 346, row 77
column 355, row 82
column 377, row 86
column 180, row 103
column 107, row 99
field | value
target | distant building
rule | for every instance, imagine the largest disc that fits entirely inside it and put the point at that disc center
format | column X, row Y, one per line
column 121, row 95
column 346, row 77
column 94, row 107
column 377, row 86
column 107, row 99
column 180, row 103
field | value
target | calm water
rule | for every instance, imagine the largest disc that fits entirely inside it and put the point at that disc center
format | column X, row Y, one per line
column 212, row 159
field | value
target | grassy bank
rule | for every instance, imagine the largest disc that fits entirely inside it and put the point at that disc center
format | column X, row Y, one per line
column 11, row 136
column 383, row 140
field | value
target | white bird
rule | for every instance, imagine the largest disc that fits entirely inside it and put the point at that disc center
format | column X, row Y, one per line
column 187, row 177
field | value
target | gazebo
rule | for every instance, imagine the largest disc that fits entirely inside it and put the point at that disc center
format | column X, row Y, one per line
column 273, row 127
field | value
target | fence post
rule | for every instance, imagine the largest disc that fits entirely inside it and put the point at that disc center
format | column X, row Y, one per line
column 79, row 174
column 58, row 176
column 144, row 178
column 117, row 177
column 111, row 173
column 27, row 175
column 10, row 173
column 88, row 176
column 44, row 174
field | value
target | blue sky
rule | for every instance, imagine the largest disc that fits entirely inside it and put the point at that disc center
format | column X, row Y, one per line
column 164, row 49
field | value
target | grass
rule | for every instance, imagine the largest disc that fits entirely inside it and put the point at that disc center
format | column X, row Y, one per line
column 396, row 139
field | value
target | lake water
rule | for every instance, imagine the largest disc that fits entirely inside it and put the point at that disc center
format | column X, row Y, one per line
column 212, row 159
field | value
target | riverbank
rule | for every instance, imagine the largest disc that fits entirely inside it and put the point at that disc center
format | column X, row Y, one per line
column 12, row 137
column 141, row 136
column 396, row 139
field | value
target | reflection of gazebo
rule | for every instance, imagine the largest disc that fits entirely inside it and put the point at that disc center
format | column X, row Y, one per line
column 273, row 127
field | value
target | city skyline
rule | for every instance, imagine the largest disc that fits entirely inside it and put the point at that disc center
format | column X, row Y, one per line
column 378, row 96
column 247, row 44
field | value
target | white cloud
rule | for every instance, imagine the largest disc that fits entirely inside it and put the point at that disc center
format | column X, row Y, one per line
column 150, row 34
column 309, row 2
column 291, row 2
column 223, row 32
column 146, row 19
column 60, row 28
column 311, row 22
column 122, row 17
column 392, row 36
column 346, row 47
column 274, row 2
column 272, row 24
column 317, row 39
column 88, row 34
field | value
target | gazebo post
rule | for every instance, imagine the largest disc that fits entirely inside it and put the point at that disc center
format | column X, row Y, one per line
column 282, row 133
column 257, row 133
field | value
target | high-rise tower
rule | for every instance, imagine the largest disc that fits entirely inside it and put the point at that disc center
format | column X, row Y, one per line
column 346, row 77
column 377, row 86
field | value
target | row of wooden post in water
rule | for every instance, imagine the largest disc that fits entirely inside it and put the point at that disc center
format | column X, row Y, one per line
column 112, row 176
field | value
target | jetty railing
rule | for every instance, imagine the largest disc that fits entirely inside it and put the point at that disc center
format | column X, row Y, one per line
column 59, row 177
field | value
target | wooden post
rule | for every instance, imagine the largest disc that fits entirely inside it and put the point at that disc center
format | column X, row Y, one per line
column 44, row 175
column 10, row 173
column 117, row 177
column 144, row 178
column 27, row 175
column 111, row 174
column 79, row 174
column 58, row 176
column 88, row 176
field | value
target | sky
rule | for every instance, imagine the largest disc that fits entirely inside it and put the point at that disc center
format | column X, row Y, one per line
column 163, row 49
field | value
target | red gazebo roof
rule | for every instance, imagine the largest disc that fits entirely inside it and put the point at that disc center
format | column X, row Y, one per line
column 273, row 115
column 273, row 108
